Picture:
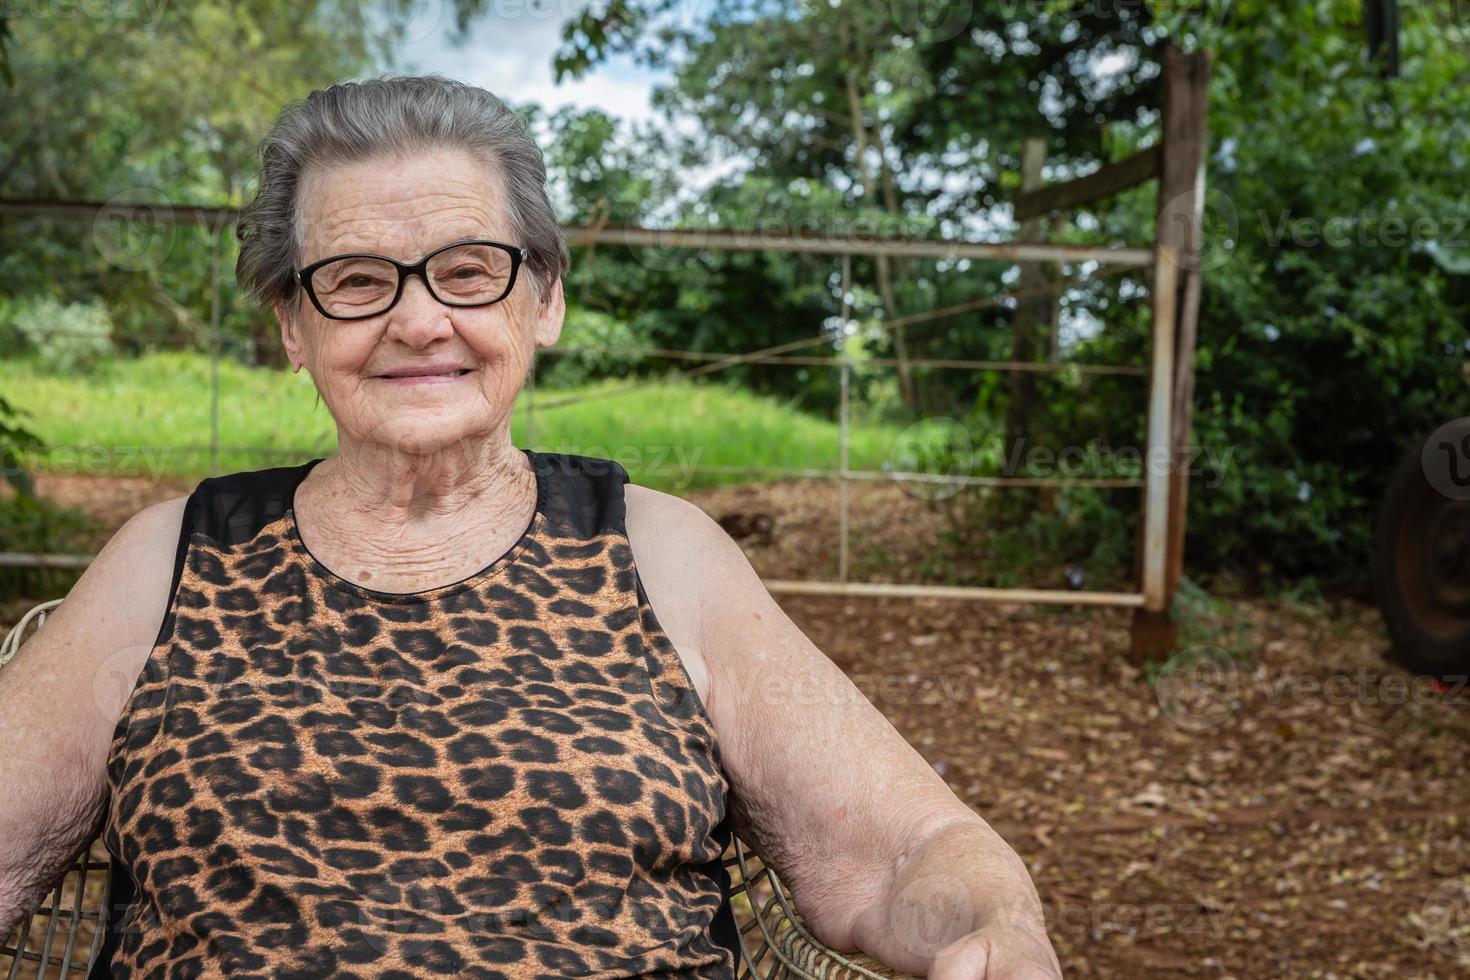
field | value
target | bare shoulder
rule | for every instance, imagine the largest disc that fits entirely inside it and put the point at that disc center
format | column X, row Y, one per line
column 128, row 580
column 108, row 620
column 671, row 524
column 670, row 537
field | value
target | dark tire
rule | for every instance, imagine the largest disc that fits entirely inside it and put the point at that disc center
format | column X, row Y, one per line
column 1421, row 572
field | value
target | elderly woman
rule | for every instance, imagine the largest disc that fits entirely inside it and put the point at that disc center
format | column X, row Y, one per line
column 439, row 706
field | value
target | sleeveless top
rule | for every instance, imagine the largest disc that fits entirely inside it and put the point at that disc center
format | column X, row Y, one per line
column 507, row 777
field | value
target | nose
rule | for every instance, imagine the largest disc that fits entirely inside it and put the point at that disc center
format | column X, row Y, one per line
column 418, row 319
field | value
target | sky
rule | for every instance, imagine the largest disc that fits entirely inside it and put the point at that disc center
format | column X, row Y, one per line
column 509, row 51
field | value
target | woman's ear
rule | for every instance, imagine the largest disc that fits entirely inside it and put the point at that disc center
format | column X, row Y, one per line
column 290, row 335
column 551, row 312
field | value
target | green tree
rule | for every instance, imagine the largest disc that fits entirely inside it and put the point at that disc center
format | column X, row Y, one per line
column 1331, row 331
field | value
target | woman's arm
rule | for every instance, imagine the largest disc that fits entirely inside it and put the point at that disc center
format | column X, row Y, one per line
column 866, row 834
column 60, row 698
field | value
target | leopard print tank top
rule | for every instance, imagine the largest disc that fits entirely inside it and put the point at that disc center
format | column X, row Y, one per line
column 507, row 777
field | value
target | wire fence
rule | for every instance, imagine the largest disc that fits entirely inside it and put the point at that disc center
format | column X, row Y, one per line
column 1101, row 262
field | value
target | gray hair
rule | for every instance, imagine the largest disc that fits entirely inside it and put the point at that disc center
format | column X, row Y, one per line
column 354, row 121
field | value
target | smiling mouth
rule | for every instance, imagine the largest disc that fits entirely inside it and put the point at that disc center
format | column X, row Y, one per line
column 444, row 374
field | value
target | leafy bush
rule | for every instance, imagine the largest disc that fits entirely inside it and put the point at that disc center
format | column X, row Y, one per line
column 67, row 338
column 34, row 525
column 12, row 342
column 15, row 439
column 29, row 523
column 587, row 328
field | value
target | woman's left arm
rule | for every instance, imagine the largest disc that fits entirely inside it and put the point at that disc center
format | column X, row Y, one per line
column 878, row 853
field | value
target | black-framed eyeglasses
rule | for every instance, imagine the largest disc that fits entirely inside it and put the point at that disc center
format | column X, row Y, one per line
column 358, row 285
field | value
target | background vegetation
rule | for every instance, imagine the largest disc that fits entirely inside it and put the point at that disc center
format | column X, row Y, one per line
column 1332, row 326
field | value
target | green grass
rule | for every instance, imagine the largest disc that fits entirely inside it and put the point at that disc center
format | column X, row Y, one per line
column 153, row 413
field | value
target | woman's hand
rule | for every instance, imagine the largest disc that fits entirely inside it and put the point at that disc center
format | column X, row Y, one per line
column 998, row 952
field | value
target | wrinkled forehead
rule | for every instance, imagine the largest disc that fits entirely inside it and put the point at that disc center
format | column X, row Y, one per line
column 400, row 206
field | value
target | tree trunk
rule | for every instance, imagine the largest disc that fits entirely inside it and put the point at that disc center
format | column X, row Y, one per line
column 857, row 61
column 1034, row 318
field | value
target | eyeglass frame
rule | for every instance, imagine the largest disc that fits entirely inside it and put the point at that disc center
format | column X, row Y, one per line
column 519, row 255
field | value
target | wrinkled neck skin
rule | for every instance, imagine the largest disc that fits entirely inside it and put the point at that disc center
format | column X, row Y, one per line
column 401, row 521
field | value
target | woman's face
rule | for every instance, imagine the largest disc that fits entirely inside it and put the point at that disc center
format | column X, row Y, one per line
column 404, row 208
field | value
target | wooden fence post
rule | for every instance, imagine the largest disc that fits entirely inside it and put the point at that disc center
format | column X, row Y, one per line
column 1181, row 192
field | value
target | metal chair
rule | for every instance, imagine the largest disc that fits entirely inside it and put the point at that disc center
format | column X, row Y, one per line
column 64, row 935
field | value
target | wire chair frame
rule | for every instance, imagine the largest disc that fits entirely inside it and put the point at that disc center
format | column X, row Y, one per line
column 782, row 946
column 774, row 942
column 12, row 641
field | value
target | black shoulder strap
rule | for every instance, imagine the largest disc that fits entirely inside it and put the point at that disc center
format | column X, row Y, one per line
column 229, row 510
column 583, row 493
column 233, row 508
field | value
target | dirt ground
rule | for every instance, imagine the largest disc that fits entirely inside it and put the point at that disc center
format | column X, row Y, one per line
column 1298, row 813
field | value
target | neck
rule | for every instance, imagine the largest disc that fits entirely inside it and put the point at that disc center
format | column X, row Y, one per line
column 416, row 519
column 388, row 485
